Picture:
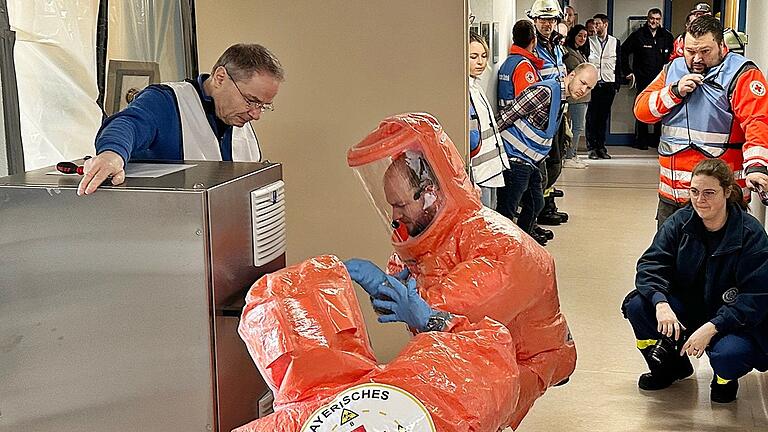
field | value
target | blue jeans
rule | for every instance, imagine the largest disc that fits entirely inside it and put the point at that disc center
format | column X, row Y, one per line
column 522, row 187
column 488, row 197
column 731, row 355
column 578, row 113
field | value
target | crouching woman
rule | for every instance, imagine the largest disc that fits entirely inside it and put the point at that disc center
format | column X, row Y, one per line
column 702, row 288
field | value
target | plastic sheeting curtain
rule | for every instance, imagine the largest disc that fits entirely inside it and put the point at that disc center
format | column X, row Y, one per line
column 3, row 145
column 55, row 57
column 150, row 31
column 56, row 74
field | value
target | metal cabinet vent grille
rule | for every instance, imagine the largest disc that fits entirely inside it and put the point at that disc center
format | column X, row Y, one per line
column 268, row 221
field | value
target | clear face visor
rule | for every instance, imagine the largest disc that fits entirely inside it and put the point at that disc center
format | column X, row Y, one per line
column 404, row 191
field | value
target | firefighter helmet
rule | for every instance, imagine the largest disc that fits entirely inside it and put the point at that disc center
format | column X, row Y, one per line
column 545, row 9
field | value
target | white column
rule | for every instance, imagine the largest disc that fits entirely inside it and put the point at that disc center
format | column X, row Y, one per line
column 757, row 51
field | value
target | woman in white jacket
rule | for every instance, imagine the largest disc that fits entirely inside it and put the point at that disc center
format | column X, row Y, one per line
column 486, row 150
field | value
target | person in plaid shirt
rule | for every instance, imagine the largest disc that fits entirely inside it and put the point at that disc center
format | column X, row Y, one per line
column 527, row 127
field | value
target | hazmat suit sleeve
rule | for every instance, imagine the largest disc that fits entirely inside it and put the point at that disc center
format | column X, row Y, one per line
column 304, row 330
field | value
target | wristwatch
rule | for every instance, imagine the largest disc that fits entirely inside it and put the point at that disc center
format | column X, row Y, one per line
column 438, row 321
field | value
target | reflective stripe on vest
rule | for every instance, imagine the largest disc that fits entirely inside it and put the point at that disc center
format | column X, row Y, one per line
column 682, row 194
column 198, row 140
column 524, row 141
column 604, row 57
column 685, row 176
column 675, row 171
column 487, row 165
column 703, row 121
column 553, row 67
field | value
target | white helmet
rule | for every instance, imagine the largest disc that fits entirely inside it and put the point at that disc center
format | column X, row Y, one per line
column 735, row 40
column 545, row 9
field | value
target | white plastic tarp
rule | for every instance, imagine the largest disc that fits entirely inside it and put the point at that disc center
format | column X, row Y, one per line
column 3, row 144
column 149, row 31
column 55, row 57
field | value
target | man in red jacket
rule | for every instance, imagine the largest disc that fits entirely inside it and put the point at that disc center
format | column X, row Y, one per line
column 711, row 103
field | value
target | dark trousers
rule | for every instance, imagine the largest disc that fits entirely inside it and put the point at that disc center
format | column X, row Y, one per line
column 597, row 115
column 664, row 210
column 554, row 160
column 642, row 135
column 731, row 355
column 522, row 187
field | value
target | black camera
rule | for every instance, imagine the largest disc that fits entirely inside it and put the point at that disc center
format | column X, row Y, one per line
column 665, row 350
column 763, row 195
column 557, row 38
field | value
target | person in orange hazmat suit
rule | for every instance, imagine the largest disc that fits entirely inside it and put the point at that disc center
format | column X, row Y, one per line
column 305, row 332
column 462, row 259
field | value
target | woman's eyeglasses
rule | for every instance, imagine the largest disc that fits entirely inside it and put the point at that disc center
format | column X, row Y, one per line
column 706, row 194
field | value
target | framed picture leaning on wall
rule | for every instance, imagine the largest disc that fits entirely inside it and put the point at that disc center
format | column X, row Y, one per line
column 125, row 79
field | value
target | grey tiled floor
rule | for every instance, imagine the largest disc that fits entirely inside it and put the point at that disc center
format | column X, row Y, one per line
column 612, row 206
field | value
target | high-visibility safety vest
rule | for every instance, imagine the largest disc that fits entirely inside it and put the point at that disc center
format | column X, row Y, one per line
column 699, row 127
column 506, row 86
column 198, row 140
column 524, row 141
column 604, row 56
column 488, row 164
column 553, row 68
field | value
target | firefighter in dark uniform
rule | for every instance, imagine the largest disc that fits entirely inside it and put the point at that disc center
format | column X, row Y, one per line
column 650, row 46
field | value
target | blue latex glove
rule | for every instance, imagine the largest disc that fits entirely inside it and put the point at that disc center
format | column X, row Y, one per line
column 367, row 275
column 405, row 303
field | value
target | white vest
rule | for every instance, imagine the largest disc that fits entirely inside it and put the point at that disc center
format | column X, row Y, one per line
column 198, row 139
column 489, row 163
column 604, row 57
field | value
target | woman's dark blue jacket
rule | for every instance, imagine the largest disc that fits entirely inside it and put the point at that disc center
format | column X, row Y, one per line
column 735, row 287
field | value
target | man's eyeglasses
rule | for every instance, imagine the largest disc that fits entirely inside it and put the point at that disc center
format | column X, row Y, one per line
column 706, row 194
column 252, row 105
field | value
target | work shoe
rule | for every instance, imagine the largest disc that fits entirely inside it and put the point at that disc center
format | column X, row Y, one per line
column 603, row 154
column 593, row 154
column 548, row 234
column 563, row 216
column 662, row 379
column 550, row 219
column 723, row 393
column 557, row 193
column 574, row 163
column 540, row 239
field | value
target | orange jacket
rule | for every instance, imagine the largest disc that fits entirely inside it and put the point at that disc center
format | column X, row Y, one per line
column 526, row 73
column 749, row 104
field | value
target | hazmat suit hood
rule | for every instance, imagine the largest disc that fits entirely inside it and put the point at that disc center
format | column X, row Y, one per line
column 410, row 162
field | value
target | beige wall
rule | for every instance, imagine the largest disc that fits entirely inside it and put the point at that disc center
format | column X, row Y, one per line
column 348, row 65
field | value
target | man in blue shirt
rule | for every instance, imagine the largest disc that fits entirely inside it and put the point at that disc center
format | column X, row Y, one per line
column 201, row 119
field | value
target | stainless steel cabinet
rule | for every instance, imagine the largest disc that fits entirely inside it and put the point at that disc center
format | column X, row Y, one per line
column 119, row 310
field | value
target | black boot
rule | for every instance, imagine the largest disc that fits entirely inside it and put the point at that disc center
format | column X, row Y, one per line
column 550, row 219
column 603, row 153
column 660, row 377
column 723, row 393
column 548, row 234
column 540, row 239
column 550, row 208
column 563, row 216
